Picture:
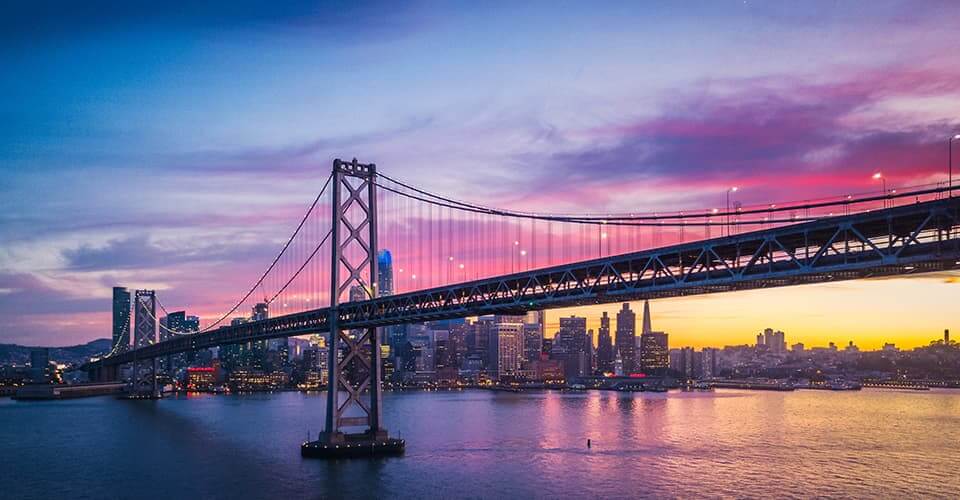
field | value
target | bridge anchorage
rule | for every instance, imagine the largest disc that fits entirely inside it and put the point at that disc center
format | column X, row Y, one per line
column 356, row 368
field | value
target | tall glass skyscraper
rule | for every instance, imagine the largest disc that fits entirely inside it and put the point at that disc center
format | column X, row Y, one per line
column 393, row 336
column 121, row 318
column 384, row 273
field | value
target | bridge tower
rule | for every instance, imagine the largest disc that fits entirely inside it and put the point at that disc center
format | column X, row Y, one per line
column 145, row 334
column 353, row 382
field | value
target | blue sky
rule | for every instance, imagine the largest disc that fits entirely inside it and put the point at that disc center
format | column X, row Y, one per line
column 136, row 141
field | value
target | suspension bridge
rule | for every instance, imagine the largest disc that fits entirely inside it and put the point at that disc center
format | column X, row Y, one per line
column 454, row 259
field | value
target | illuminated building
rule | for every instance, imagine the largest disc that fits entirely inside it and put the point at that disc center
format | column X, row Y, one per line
column 548, row 371
column 625, row 341
column 201, row 378
column 533, row 330
column 257, row 380
column 121, row 318
column 654, row 347
column 571, row 347
column 506, row 346
column 605, row 355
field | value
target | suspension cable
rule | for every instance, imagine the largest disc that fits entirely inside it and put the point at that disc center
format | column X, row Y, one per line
column 302, row 266
column 273, row 264
column 613, row 221
column 275, row 260
column 587, row 218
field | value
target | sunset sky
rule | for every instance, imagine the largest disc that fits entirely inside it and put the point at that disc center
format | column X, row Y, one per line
column 176, row 149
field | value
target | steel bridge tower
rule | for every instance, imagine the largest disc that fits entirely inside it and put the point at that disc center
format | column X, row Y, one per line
column 353, row 240
column 144, row 335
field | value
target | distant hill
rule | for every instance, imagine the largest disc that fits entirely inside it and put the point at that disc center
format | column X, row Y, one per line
column 19, row 354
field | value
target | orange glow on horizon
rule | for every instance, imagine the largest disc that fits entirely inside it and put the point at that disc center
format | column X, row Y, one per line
column 909, row 312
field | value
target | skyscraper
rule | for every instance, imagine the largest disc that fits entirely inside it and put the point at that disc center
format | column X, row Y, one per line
column 172, row 322
column 654, row 348
column 532, row 336
column 481, row 338
column 257, row 353
column 458, row 343
column 506, row 346
column 605, row 356
column 396, row 335
column 773, row 341
column 384, row 273
column 145, row 314
column 570, row 346
column 175, row 321
column 625, row 339
column 121, row 318
column 191, row 324
column 647, row 324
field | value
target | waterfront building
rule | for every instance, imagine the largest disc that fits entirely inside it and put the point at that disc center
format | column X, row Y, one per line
column 685, row 368
column 506, row 347
column 654, row 346
column 40, row 365
column 246, row 379
column 710, row 362
column 625, row 338
column 548, row 371
column 201, row 378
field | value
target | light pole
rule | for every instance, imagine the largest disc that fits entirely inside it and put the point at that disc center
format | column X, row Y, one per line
column 733, row 189
column 883, row 184
column 950, row 164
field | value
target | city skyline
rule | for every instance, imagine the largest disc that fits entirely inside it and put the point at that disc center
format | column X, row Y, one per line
column 593, row 316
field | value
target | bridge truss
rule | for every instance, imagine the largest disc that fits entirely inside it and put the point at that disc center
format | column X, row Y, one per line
column 909, row 239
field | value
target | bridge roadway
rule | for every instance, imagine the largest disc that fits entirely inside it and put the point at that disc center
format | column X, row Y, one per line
column 921, row 237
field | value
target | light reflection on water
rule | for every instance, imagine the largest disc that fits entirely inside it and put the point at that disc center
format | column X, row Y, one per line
column 484, row 444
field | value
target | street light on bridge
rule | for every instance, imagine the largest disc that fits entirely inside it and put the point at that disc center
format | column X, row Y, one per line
column 733, row 189
column 950, row 164
column 883, row 183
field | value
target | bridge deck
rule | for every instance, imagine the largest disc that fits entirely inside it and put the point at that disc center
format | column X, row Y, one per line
column 916, row 238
